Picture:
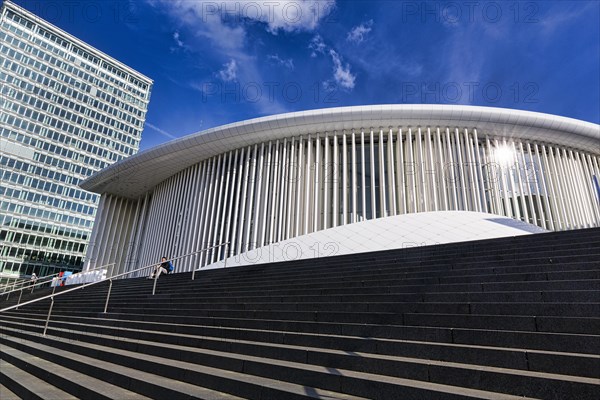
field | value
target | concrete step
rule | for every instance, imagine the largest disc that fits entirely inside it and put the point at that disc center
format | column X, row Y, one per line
column 295, row 333
column 350, row 381
column 17, row 384
column 525, row 359
column 5, row 393
column 75, row 383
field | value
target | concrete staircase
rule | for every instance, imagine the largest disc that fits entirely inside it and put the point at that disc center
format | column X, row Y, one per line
column 495, row 319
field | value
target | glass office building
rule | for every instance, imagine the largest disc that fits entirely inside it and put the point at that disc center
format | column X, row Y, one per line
column 66, row 111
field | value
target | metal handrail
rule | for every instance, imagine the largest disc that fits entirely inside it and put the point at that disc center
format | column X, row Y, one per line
column 14, row 284
column 44, row 280
column 110, row 279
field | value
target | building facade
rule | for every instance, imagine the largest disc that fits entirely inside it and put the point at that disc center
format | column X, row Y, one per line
column 271, row 179
column 67, row 111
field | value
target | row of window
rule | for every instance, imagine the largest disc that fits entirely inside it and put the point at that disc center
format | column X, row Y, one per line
column 36, row 212
column 62, row 91
column 109, row 133
column 34, row 129
column 46, row 73
column 39, row 184
column 39, row 171
column 28, row 255
column 39, row 242
column 62, row 139
column 84, row 54
column 51, row 201
column 44, row 227
column 60, row 53
column 45, row 61
column 51, row 108
column 26, row 269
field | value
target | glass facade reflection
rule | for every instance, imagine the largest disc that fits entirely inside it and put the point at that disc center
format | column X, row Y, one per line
column 66, row 111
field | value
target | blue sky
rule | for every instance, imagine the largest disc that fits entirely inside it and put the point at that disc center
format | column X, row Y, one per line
column 216, row 62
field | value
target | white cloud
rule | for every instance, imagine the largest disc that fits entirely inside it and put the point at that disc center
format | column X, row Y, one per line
column 229, row 71
column 341, row 73
column 358, row 33
column 275, row 59
column 286, row 15
column 317, row 45
column 177, row 39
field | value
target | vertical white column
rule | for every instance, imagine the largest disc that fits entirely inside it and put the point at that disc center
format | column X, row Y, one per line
column 443, row 190
column 524, row 214
column 354, row 187
column 538, row 186
column 217, row 220
column 511, row 182
column 479, row 171
column 576, row 194
column 382, row 183
column 579, row 169
column 557, row 222
column 273, row 220
column 326, row 180
column 281, row 227
column 472, row 173
column 317, row 188
column 226, row 205
column 299, row 178
column 461, row 170
column 556, row 188
column 307, row 197
column 363, row 177
column 335, row 213
column 214, row 210
column 294, row 173
column 372, row 168
column 344, row 180
column 391, row 173
column 593, row 196
column 252, row 182
column 508, row 210
column 421, row 189
column 199, row 213
column 432, row 172
column 257, row 220
column 451, row 165
column 233, row 246
column 266, row 190
column 210, row 208
column 241, row 221
column 528, row 182
column 232, row 201
column 402, row 195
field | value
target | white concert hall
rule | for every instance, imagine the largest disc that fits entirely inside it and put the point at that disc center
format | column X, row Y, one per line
column 356, row 178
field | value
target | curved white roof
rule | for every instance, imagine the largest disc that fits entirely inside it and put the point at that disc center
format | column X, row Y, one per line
column 389, row 233
column 134, row 176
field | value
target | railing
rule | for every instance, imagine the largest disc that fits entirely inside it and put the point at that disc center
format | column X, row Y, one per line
column 16, row 282
column 45, row 280
column 110, row 281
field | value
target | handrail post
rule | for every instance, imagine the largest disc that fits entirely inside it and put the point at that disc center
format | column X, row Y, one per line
column 154, row 285
column 19, row 301
column 48, row 318
column 226, row 254
column 108, row 295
